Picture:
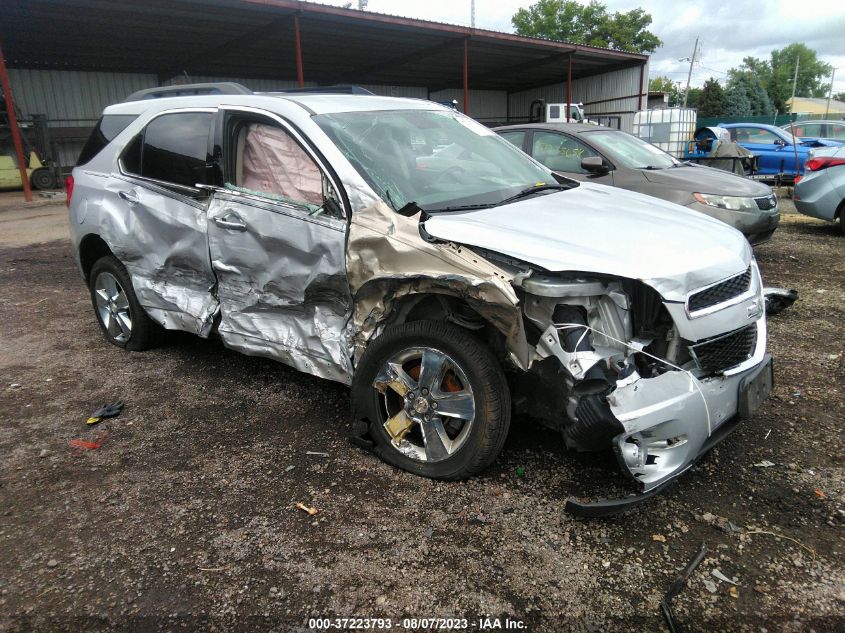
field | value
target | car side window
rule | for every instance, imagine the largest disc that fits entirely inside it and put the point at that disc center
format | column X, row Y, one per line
column 835, row 131
column 516, row 137
column 560, row 152
column 755, row 135
column 267, row 161
column 173, row 148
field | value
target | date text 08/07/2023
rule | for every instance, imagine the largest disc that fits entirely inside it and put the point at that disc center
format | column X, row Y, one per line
column 386, row 624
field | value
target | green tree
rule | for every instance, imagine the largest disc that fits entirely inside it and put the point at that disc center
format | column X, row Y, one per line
column 693, row 98
column 839, row 96
column 591, row 24
column 664, row 84
column 813, row 74
column 749, row 83
column 712, row 102
column 736, row 101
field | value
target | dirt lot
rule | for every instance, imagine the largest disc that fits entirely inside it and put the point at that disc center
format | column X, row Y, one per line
column 185, row 517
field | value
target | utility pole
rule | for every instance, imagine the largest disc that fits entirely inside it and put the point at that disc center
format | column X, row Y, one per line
column 830, row 93
column 794, row 84
column 689, row 74
column 472, row 14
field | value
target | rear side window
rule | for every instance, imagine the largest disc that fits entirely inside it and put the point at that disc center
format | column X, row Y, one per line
column 109, row 126
column 175, row 148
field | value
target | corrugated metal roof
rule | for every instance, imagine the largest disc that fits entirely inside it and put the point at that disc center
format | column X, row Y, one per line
column 254, row 39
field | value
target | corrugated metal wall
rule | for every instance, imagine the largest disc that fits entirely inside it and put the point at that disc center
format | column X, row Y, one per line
column 616, row 90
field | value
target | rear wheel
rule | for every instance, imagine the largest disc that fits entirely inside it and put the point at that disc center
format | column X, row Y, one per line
column 122, row 319
column 42, row 179
column 436, row 397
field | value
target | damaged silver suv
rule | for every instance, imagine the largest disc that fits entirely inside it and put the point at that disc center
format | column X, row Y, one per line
column 402, row 248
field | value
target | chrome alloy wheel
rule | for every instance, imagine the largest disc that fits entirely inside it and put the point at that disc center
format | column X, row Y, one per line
column 429, row 403
column 113, row 307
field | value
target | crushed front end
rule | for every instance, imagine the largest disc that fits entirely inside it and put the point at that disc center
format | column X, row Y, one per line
column 660, row 379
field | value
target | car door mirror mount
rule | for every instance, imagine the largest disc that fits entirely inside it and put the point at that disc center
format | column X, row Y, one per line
column 595, row 165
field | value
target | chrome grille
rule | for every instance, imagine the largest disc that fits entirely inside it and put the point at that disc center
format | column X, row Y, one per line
column 720, row 292
column 722, row 352
column 767, row 203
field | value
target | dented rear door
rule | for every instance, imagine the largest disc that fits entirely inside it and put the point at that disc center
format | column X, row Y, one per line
column 277, row 248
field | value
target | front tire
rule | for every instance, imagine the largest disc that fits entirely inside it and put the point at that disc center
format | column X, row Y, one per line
column 122, row 319
column 436, row 398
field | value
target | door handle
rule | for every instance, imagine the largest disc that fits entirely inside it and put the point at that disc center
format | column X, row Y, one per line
column 129, row 196
column 231, row 222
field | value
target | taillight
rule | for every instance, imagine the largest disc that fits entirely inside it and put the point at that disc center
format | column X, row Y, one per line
column 823, row 162
column 69, row 188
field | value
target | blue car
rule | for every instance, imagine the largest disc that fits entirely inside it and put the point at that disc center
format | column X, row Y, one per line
column 775, row 148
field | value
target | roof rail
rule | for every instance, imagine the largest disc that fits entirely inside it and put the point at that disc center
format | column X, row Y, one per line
column 189, row 90
column 341, row 89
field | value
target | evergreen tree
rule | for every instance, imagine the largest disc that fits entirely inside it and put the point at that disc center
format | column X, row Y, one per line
column 712, row 102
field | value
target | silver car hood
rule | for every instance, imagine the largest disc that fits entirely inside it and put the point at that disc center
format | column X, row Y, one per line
column 598, row 229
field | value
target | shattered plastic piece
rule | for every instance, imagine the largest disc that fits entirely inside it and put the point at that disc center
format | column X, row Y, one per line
column 734, row 592
column 678, row 584
column 520, row 471
column 778, row 299
column 84, row 445
column 658, row 537
column 317, row 453
column 289, row 468
column 820, row 494
column 311, row 511
column 718, row 574
column 92, row 421
column 764, row 464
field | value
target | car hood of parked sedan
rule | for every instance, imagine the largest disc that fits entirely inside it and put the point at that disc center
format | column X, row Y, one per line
column 603, row 230
column 698, row 179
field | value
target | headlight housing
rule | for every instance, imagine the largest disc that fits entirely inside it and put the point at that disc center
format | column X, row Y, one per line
column 732, row 203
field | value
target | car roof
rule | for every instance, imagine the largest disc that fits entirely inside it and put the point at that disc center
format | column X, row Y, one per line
column 576, row 128
column 762, row 126
column 313, row 103
column 806, row 121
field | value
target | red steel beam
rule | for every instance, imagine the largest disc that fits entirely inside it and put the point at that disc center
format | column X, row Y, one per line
column 568, row 87
column 300, row 78
column 13, row 125
column 466, row 77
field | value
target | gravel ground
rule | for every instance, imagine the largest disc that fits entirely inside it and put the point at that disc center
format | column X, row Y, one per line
column 185, row 517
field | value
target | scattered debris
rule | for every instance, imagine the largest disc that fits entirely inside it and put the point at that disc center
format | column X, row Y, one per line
column 85, row 445
column 734, row 592
column 52, row 562
column 764, row 464
column 106, row 411
column 289, row 468
column 677, row 585
column 718, row 574
column 211, row 568
column 520, row 471
column 820, row 494
column 788, row 538
column 311, row 511
column 778, row 299
column 44, row 453
column 658, row 537
column 14, row 385
column 710, row 586
column 768, row 433
column 317, row 453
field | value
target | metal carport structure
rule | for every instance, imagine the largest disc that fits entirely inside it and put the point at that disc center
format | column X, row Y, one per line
column 272, row 44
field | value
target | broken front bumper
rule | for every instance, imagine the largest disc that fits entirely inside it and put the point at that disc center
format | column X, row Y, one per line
column 672, row 420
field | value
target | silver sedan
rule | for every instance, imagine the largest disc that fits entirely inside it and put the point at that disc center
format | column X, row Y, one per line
column 821, row 192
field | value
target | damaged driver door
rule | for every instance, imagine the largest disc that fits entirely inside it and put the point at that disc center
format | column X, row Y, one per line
column 277, row 235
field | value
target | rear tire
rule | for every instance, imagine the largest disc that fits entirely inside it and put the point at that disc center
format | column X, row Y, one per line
column 452, row 417
column 42, row 179
column 122, row 319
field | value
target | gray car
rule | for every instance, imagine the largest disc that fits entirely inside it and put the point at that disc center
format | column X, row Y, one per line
column 612, row 157
column 404, row 249
column 821, row 192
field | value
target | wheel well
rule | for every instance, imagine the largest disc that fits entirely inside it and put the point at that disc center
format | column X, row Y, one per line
column 839, row 210
column 91, row 248
column 443, row 307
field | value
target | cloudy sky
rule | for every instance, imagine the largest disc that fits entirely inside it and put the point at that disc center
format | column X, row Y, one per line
column 729, row 29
